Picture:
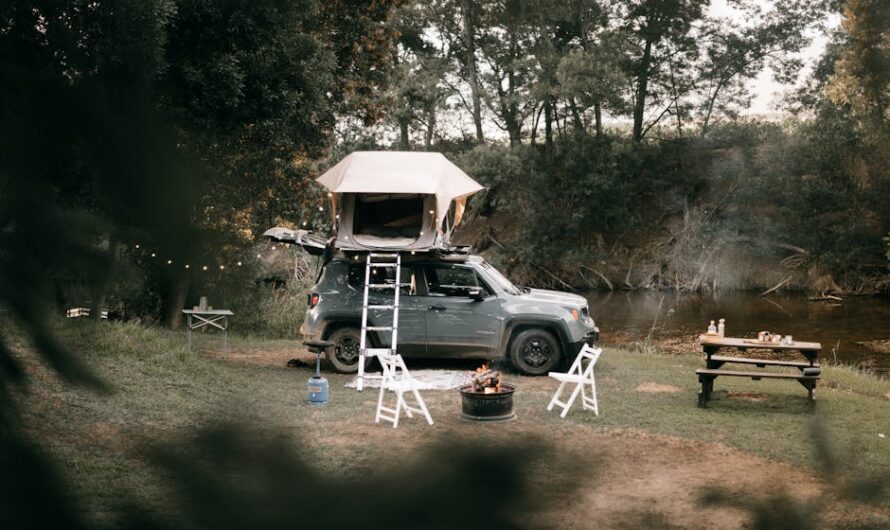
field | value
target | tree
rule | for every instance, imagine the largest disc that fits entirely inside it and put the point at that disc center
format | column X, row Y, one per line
column 861, row 77
column 117, row 111
column 660, row 30
column 734, row 52
column 417, row 71
column 504, row 41
column 469, row 16
column 591, row 77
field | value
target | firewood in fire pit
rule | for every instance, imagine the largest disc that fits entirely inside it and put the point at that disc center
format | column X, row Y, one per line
column 486, row 379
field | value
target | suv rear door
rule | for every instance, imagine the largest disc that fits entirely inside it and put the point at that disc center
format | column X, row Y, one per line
column 457, row 325
column 412, row 310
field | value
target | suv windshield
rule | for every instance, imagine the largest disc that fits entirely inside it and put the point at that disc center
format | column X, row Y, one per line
column 500, row 279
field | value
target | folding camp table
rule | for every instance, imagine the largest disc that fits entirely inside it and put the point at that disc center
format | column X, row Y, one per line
column 217, row 318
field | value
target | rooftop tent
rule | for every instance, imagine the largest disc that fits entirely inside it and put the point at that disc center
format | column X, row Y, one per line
column 396, row 200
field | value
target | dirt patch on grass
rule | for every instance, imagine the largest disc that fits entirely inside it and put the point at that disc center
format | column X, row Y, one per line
column 265, row 357
column 657, row 481
column 656, row 388
column 747, row 396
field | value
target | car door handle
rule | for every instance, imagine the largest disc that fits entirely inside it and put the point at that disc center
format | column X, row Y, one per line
column 436, row 308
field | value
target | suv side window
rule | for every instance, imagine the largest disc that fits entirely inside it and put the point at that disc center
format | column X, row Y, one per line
column 383, row 275
column 451, row 280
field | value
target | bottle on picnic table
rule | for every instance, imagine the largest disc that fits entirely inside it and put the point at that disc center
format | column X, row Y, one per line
column 721, row 327
column 712, row 330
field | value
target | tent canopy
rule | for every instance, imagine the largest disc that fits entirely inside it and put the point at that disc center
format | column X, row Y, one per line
column 402, row 172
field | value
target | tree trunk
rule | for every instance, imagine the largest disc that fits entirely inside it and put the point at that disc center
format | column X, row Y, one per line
column 536, row 113
column 576, row 116
column 403, row 134
column 99, row 289
column 176, row 301
column 430, row 127
column 548, row 125
column 470, row 45
column 598, row 119
column 642, row 92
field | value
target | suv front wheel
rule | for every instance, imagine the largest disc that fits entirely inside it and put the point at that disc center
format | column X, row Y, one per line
column 535, row 352
column 344, row 357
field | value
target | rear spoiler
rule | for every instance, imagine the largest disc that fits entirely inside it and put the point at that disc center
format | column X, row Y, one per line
column 312, row 243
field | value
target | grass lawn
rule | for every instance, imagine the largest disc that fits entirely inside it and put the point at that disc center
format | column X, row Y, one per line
column 756, row 437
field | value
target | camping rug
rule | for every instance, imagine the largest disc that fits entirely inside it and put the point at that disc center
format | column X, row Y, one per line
column 425, row 379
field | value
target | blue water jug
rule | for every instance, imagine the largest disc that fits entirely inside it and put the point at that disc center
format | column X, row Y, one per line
column 318, row 390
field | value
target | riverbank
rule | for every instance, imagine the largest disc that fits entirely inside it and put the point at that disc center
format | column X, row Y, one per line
column 649, row 457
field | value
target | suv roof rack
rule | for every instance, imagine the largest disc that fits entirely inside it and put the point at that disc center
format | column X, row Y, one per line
column 453, row 254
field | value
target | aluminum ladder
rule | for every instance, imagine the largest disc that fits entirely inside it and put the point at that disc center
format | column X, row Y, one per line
column 376, row 260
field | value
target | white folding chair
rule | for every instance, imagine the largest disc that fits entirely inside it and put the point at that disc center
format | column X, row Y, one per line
column 581, row 375
column 398, row 380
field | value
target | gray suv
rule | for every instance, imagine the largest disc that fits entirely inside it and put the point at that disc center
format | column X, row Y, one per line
column 448, row 308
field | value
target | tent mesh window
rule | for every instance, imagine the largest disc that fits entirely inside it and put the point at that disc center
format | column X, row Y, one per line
column 388, row 215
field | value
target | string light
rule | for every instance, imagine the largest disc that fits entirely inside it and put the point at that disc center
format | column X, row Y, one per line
column 305, row 223
column 321, row 208
column 222, row 267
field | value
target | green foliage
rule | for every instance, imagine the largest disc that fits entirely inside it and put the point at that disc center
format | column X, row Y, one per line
column 270, row 312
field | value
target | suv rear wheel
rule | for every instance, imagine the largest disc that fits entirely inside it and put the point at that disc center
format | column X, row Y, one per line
column 344, row 357
column 535, row 351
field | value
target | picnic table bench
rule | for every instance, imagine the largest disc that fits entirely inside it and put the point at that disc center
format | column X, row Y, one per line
column 807, row 375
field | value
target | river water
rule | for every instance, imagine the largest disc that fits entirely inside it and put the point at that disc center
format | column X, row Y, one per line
column 844, row 329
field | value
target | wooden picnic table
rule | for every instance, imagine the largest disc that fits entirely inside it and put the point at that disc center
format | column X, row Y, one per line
column 217, row 318
column 807, row 374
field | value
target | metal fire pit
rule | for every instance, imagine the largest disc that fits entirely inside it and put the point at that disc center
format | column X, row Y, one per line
column 476, row 406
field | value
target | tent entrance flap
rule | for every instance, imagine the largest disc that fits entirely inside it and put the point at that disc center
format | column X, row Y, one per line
column 388, row 215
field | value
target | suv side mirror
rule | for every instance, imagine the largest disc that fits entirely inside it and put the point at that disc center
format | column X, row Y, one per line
column 476, row 293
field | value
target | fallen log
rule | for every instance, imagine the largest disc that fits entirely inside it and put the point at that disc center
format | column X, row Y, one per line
column 781, row 283
column 825, row 298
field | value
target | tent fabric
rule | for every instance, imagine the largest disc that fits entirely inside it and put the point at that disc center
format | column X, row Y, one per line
column 401, row 172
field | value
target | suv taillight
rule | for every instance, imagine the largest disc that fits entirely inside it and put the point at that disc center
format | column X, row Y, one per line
column 312, row 299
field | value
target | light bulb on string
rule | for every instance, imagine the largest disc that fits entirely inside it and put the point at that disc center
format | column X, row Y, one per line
column 153, row 255
column 259, row 256
column 222, row 267
column 239, row 263
column 169, row 262
column 137, row 245
column 187, row 265
column 204, row 267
